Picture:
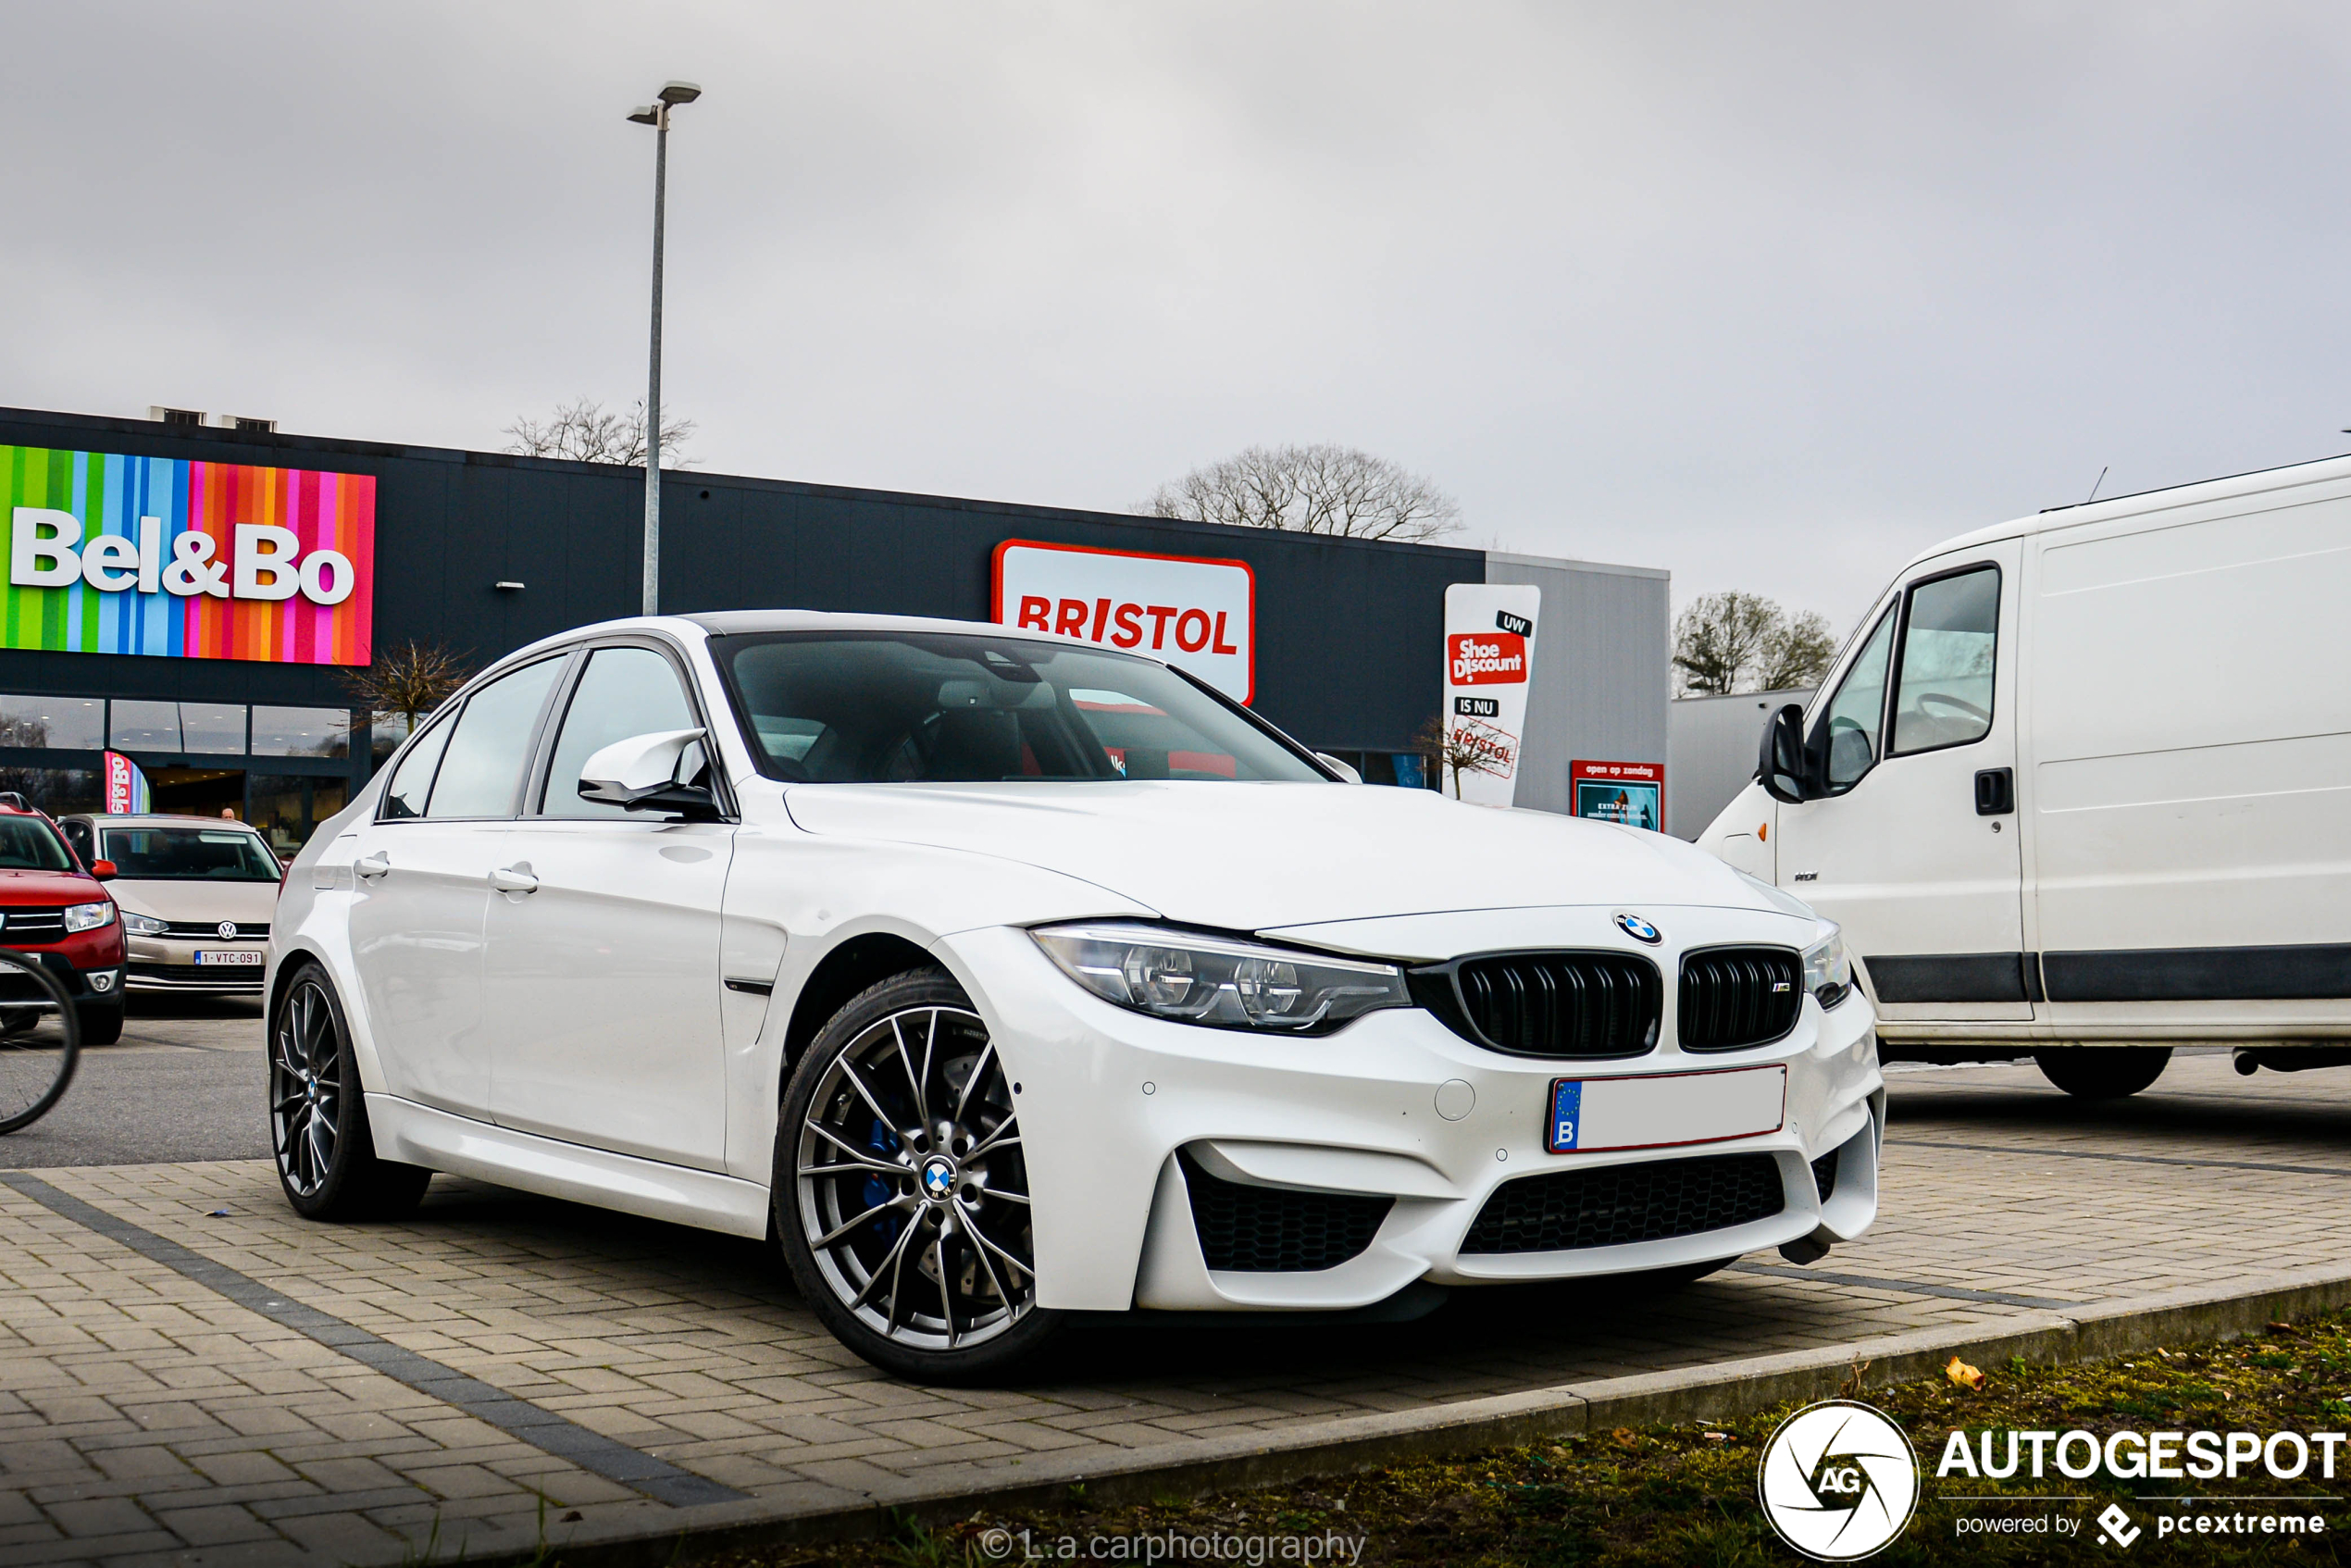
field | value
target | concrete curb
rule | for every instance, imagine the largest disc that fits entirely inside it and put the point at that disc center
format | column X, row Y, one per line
column 1716, row 1392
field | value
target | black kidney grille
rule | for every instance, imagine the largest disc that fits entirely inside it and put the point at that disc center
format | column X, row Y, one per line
column 1824, row 1174
column 1739, row 996
column 1560, row 1004
column 1276, row 1230
column 1617, row 1206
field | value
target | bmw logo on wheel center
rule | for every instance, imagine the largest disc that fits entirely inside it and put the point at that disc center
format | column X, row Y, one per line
column 1639, row 929
column 938, row 1176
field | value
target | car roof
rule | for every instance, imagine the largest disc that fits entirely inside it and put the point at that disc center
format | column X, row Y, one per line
column 155, row 820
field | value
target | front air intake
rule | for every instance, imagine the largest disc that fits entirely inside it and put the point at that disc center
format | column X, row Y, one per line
column 1565, row 1005
column 1618, row 1205
column 1246, row 1229
column 1734, row 997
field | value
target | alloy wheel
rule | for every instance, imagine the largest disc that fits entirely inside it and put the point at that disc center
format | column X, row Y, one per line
column 913, row 1190
column 306, row 1086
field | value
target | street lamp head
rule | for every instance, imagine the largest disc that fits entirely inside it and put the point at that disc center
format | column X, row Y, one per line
column 675, row 93
column 644, row 114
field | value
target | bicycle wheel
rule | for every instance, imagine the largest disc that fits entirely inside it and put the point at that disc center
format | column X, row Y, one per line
column 39, row 1039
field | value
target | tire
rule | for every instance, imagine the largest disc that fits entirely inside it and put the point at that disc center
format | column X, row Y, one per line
column 39, row 1040
column 899, row 1195
column 318, row 1132
column 100, row 1023
column 2103, row 1072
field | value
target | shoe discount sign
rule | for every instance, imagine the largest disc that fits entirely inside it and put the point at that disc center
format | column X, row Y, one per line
column 178, row 559
column 1489, row 656
column 1197, row 614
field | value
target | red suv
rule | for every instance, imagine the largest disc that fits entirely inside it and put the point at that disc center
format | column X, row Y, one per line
column 53, row 909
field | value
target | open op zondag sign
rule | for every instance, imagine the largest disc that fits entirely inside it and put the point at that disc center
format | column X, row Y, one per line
column 1198, row 615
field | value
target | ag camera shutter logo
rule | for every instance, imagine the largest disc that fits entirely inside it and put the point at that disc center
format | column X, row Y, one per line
column 1838, row 1481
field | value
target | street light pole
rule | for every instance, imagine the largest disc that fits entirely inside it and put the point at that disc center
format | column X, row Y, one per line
column 657, row 116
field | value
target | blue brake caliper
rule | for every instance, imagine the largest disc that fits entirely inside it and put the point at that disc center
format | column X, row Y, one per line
column 882, row 1144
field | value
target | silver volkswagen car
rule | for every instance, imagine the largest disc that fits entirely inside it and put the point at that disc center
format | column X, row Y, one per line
column 196, row 895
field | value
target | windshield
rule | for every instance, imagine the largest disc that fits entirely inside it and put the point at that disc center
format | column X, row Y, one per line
column 27, row 843
column 899, row 707
column 189, row 855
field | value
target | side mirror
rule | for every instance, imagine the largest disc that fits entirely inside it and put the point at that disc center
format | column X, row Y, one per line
column 103, row 870
column 1781, row 766
column 1346, row 774
column 640, row 774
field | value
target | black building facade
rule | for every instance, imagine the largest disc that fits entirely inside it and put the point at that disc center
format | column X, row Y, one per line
column 1348, row 631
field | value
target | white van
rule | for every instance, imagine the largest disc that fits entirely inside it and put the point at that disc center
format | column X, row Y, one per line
column 2084, row 780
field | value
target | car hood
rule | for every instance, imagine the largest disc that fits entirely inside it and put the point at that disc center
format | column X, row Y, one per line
column 21, row 890
column 251, row 903
column 1252, row 856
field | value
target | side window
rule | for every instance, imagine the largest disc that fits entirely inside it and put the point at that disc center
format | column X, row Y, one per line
column 78, row 835
column 404, row 796
column 1944, row 697
column 1849, row 732
column 624, row 691
column 481, row 770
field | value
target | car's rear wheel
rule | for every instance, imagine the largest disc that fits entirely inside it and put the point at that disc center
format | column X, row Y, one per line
column 901, row 1194
column 2103, row 1072
column 318, row 1130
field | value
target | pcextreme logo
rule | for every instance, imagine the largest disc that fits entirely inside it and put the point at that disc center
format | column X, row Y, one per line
column 1838, row 1481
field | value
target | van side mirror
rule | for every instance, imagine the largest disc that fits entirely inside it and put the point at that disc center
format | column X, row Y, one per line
column 1781, row 766
column 641, row 774
column 103, row 870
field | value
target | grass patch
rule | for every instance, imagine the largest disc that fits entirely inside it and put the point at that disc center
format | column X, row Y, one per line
column 1683, row 1497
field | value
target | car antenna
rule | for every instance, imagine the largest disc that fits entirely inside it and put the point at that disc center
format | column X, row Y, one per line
column 2094, row 489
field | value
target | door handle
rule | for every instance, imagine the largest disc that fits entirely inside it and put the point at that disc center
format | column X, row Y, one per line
column 1996, row 791
column 369, row 867
column 515, row 878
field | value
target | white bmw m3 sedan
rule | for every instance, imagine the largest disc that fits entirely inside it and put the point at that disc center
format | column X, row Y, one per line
column 1001, row 978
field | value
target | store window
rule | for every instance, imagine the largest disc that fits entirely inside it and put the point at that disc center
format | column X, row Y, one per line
column 300, row 732
column 213, row 728
column 56, row 791
column 52, row 723
column 385, row 732
column 289, row 807
column 145, row 727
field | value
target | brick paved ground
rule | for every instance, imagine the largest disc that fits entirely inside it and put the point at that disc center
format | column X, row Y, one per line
column 146, row 1416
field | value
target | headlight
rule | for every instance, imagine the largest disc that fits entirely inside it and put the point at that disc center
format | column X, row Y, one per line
column 1223, row 982
column 141, row 924
column 89, row 916
column 1828, row 974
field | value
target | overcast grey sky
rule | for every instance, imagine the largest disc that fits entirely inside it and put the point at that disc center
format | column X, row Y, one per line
column 1772, row 295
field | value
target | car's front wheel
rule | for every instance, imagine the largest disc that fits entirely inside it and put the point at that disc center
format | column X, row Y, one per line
column 327, row 1160
column 901, row 1194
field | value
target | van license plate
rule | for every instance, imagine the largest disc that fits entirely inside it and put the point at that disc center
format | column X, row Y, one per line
column 1659, row 1110
column 233, row 958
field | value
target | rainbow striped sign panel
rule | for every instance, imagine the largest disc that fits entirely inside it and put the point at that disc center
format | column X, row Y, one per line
column 178, row 559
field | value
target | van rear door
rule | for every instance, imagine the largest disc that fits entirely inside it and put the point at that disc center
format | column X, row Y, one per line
column 1914, row 849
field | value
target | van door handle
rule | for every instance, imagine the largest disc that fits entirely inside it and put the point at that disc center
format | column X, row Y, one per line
column 1996, row 791
column 369, row 867
column 515, row 878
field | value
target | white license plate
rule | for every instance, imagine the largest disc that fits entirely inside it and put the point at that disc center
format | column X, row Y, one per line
column 233, row 958
column 1659, row 1110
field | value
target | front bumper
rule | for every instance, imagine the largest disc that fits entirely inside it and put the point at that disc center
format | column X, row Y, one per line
column 1110, row 1099
column 168, row 964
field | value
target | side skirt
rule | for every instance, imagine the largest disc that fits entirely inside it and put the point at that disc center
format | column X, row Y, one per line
column 419, row 1135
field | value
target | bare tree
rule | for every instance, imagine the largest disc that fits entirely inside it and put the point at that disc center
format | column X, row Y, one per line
column 1470, row 746
column 1728, row 642
column 1319, row 489
column 585, row 432
column 1799, row 654
column 411, row 680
